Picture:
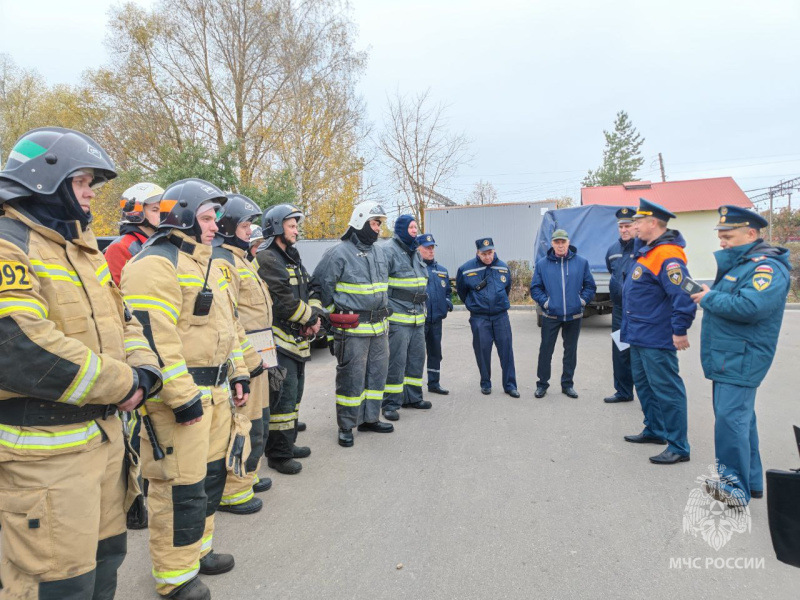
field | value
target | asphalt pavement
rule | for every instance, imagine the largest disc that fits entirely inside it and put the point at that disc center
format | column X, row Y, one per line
column 488, row 497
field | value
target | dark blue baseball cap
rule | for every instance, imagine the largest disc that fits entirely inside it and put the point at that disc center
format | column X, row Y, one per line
column 484, row 244
column 426, row 240
column 733, row 217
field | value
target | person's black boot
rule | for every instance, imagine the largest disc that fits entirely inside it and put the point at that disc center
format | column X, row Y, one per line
column 245, row 508
column 194, row 590
column 301, row 451
column 263, row 485
column 216, row 564
column 287, row 466
column 345, row 437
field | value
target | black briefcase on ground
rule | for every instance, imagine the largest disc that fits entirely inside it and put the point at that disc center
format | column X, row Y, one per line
column 783, row 507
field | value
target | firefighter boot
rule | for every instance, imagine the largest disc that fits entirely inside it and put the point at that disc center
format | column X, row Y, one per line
column 216, row 564
column 194, row 590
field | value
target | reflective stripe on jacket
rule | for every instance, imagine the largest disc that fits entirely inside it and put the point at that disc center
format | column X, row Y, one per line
column 65, row 335
column 407, row 272
column 161, row 285
column 288, row 283
column 353, row 276
column 252, row 310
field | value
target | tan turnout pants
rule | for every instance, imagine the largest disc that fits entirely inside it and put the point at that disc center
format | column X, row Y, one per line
column 240, row 490
column 62, row 515
column 185, row 486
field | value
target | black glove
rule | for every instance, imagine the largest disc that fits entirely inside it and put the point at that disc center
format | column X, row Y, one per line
column 235, row 459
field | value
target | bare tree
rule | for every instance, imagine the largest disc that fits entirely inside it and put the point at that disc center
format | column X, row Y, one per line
column 419, row 151
column 483, row 193
column 273, row 80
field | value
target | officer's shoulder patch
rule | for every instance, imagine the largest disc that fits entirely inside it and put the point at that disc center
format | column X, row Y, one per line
column 637, row 273
column 14, row 275
column 441, row 275
column 502, row 270
column 758, row 258
column 674, row 272
column 472, row 274
column 731, row 278
column 761, row 281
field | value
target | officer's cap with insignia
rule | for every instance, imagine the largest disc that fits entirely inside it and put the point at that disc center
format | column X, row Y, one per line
column 426, row 240
column 484, row 244
column 734, row 217
column 651, row 209
column 625, row 214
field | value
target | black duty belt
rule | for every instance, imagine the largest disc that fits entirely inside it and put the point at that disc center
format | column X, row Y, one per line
column 209, row 376
column 408, row 296
column 369, row 316
column 28, row 412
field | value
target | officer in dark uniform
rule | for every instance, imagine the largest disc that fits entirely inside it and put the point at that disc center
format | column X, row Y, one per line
column 742, row 316
column 439, row 304
column 483, row 284
column 657, row 314
column 618, row 262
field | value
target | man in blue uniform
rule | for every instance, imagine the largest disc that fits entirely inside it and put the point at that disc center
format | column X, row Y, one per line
column 483, row 284
column 561, row 296
column 619, row 258
column 742, row 315
column 439, row 304
column 657, row 314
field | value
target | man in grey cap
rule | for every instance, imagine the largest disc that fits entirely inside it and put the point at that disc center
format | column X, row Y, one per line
column 562, row 285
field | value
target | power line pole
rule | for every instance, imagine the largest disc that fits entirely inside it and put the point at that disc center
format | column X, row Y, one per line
column 661, row 162
column 771, row 194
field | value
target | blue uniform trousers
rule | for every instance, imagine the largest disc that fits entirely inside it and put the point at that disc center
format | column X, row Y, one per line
column 488, row 330
column 621, row 360
column 433, row 345
column 663, row 396
column 736, row 438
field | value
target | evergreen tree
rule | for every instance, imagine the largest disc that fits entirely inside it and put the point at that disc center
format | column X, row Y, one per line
column 622, row 157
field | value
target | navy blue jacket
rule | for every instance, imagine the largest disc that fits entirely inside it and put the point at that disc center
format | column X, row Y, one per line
column 490, row 300
column 619, row 259
column 743, row 312
column 562, row 286
column 654, row 305
column 439, row 292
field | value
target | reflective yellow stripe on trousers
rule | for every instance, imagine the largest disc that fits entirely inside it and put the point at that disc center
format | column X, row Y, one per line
column 176, row 577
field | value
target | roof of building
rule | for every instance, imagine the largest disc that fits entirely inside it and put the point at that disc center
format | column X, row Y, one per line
column 676, row 196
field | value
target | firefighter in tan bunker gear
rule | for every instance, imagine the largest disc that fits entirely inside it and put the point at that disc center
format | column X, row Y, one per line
column 72, row 356
column 182, row 299
column 255, row 314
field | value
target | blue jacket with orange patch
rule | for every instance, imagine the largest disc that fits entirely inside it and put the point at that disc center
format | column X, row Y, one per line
column 654, row 306
column 743, row 312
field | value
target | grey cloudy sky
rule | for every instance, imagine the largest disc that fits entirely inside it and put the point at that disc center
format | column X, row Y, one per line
column 711, row 84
